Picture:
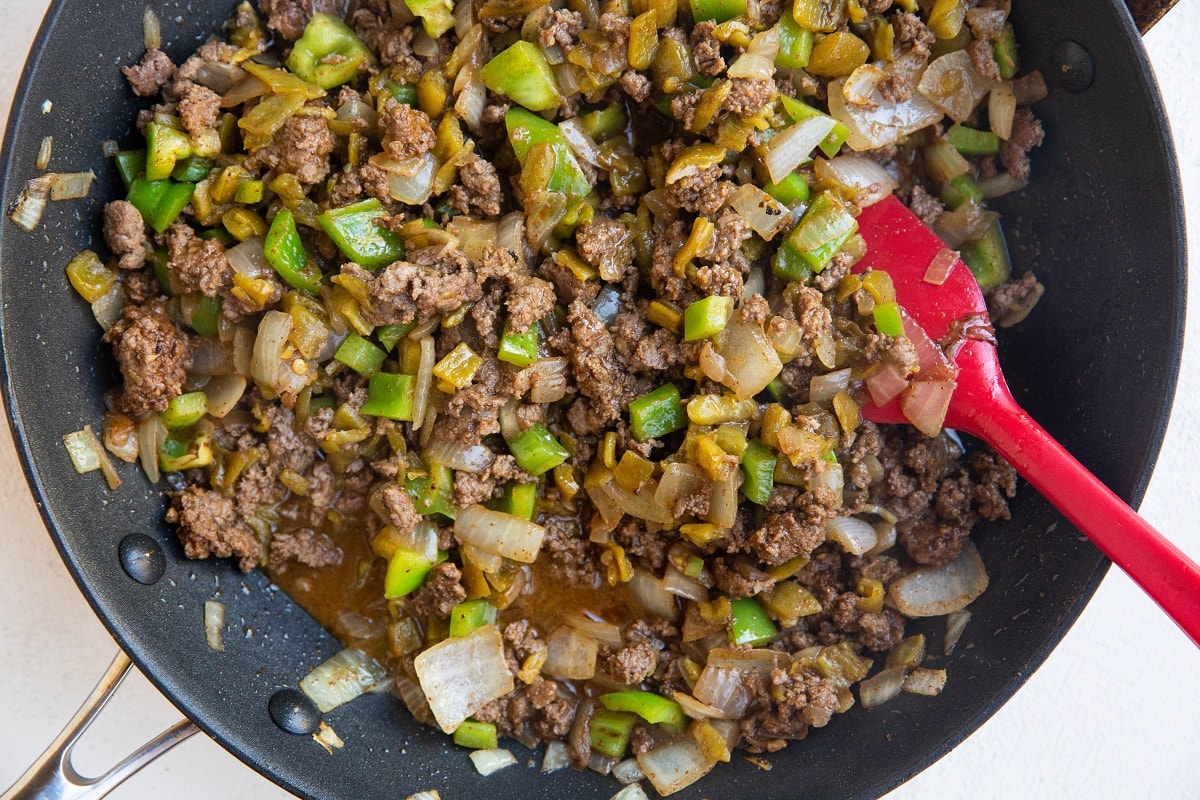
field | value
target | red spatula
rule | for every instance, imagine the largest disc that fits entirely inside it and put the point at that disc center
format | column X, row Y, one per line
column 981, row 405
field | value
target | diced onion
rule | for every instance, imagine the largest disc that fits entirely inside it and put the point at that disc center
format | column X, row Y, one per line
column 933, row 591
column 429, row 794
column 151, row 435
column 680, row 481
column 723, row 501
column 968, row 221
column 724, row 689
column 633, row 791
column 697, row 710
column 543, row 211
column 749, row 358
column 956, row 623
column 854, row 535
column 328, row 738
column 581, row 143
column 793, row 146
column 641, row 504
column 505, row 535
column 488, row 761
column 214, row 623
column 860, row 86
column 267, row 365
column 940, row 267
column 628, row 773
column 883, row 122
column 604, row 632
column 925, row 404
column 930, row 355
column 869, row 180
column 1000, row 184
column 249, row 259
column 652, row 595
column 462, row 674
column 556, row 757
column 681, row 585
column 32, row 203
column 879, row 689
column 832, row 477
column 458, row 455
column 570, row 654
column 925, row 681
column 472, row 100
column 763, row 213
column 70, row 185
column 109, row 306
column 1030, row 88
column 224, row 392
column 1002, row 107
column 759, row 59
column 885, row 384
column 45, row 151
column 488, row 562
column 88, row 455
column 219, row 76
column 822, row 388
column 120, row 437
column 424, row 383
column 675, row 765
column 212, row 357
column 761, row 661
column 952, row 84
column 548, row 380
column 342, row 678
column 151, row 30
column 412, row 182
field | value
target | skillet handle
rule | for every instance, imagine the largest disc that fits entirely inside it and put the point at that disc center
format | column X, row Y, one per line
column 1147, row 12
column 53, row 776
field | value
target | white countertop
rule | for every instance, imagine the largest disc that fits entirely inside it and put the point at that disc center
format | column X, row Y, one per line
column 1114, row 713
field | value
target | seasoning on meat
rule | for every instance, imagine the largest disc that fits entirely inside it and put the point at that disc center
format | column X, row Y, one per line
column 151, row 74
column 154, row 357
column 208, row 526
column 125, row 233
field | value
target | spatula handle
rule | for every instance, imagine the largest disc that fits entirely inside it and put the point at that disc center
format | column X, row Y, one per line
column 1159, row 567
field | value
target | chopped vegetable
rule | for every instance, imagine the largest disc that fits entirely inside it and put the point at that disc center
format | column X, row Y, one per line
column 522, row 74
column 654, row 708
column 355, row 229
column 390, row 395
column 471, row 615
column 657, row 414
column 476, row 735
column 972, row 142
column 214, row 624
column 537, row 451
column 342, row 678
column 361, row 356
column 488, row 762
column 758, row 467
column 750, row 624
column 329, row 53
column 286, row 254
column 459, row 676
column 610, row 731
column 706, row 318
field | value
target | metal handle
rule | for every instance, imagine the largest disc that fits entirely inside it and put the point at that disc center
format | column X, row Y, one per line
column 53, row 776
column 1147, row 12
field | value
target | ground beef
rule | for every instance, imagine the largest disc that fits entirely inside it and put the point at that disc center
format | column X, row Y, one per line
column 877, row 6
column 287, row 447
column 737, row 578
column 633, row 664
column 1027, row 134
column 301, row 147
column 785, row 536
column 894, row 89
column 439, row 594
column 570, row 551
column 406, row 132
column 995, row 483
column 480, row 190
column 912, row 32
column 125, row 233
column 983, row 59
column 209, row 526
column 706, row 50
column 153, row 355
column 605, row 244
column 199, row 109
column 636, row 85
column 731, row 232
column 472, row 488
column 288, row 17
column 598, row 374
column 433, row 282
column 703, row 192
column 151, row 74
column 924, row 205
column 749, row 96
column 398, row 508
column 196, row 265
column 304, row 547
column 932, row 542
column 529, row 299
column 1011, row 302
column 560, row 27
column 569, row 286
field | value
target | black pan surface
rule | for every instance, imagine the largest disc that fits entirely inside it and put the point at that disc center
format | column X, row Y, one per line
column 1104, row 395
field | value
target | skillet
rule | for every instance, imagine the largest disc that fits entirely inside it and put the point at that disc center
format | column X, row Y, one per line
column 1098, row 407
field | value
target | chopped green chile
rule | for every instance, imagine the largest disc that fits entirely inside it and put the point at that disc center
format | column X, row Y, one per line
column 286, row 254
column 717, row 10
column 960, row 190
column 519, row 499
column 1004, row 49
column 973, row 142
column 758, row 468
column 611, row 730
column 471, row 615
column 405, row 573
column 825, row 227
column 795, row 43
column 437, row 16
column 537, row 451
column 390, row 395
column 164, row 148
column 750, row 624
column 654, row 708
column 390, row 335
column 792, row 189
column 402, row 92
column 329, row 53
column 206, row 320
column 475, row 735
column 657, row 413
column 355, row 229
column 160, row 202
column 192, row 169
column 361, row 356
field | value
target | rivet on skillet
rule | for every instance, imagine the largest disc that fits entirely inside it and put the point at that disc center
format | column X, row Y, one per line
column 293, row 712
column 142, row 558
column 1074, row 68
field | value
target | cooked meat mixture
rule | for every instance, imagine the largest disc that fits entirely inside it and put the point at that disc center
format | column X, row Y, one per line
column 539, row 348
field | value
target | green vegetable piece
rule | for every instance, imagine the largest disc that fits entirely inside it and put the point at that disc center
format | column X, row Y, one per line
column 405, row 93
column 654, row 708
column 185, row 448
column 390, row 395
column 130, row 164
column 522, row 74
column 405, row 573
column 717, row 10
column 164, row 147
column 146, row 195
column 519, row 499
column 961, row 190
column 758, row 467
column 604, row 123
column 706, row 318
column 888, row 320
column 185, row 410
column 471, row 615
column 519, row 349
column 356, row 231
column 389, row 335
column 751, row 625
column 475, row 735
column 1005, row 51
column 799, row 110
column 795, row 43
column 657, row 413
column 360, row 355
column 825, row 227
column 537, row 451
column 431, row 494
column 972, row 142
column 329, row 54
column 610, row 731
column 192, row 169
column 208, row 313
column 988, row 258
column 526, row 129
column 286, row 254
column 792, row 189
column 160, row 202
column 220, row 235
column 249, row 192
column 437, row 16
column 777, row 389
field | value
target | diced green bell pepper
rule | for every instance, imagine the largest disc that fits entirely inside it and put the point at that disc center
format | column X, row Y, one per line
column 519, row 349
column 192, row 169
column 604, row 123
column 825, row 227
column 432, row 493
column 522, row 74
column 207, row 317
column 717, row 10
column 130, row 164
column 286, row 254
column 1005, row 51
column 405, row 93
column 475, row 735
column 519, row 499
column 537, row 451
column 706, row 318
column 654, row 708
column 360, row 355
column 389, row 335
column 960, row 190
column 792, row 189
column 988, row 258
column 972, row 142
column 185, row 448
column 160, row 202
column 164, row 147
column 526, row 129
column 470, row 615
column 610, row 731
column 657, row 413
column 391, row 396
column 329, row 53
column 887, row 318
column 758, row 467
column 356, row 231
column 185, row 410
column 795, row 43
column 437, row 16
column 751, row 624
column 405, row 573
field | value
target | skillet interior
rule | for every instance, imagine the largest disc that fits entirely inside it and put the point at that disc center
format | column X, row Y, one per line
column 1096, row 363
